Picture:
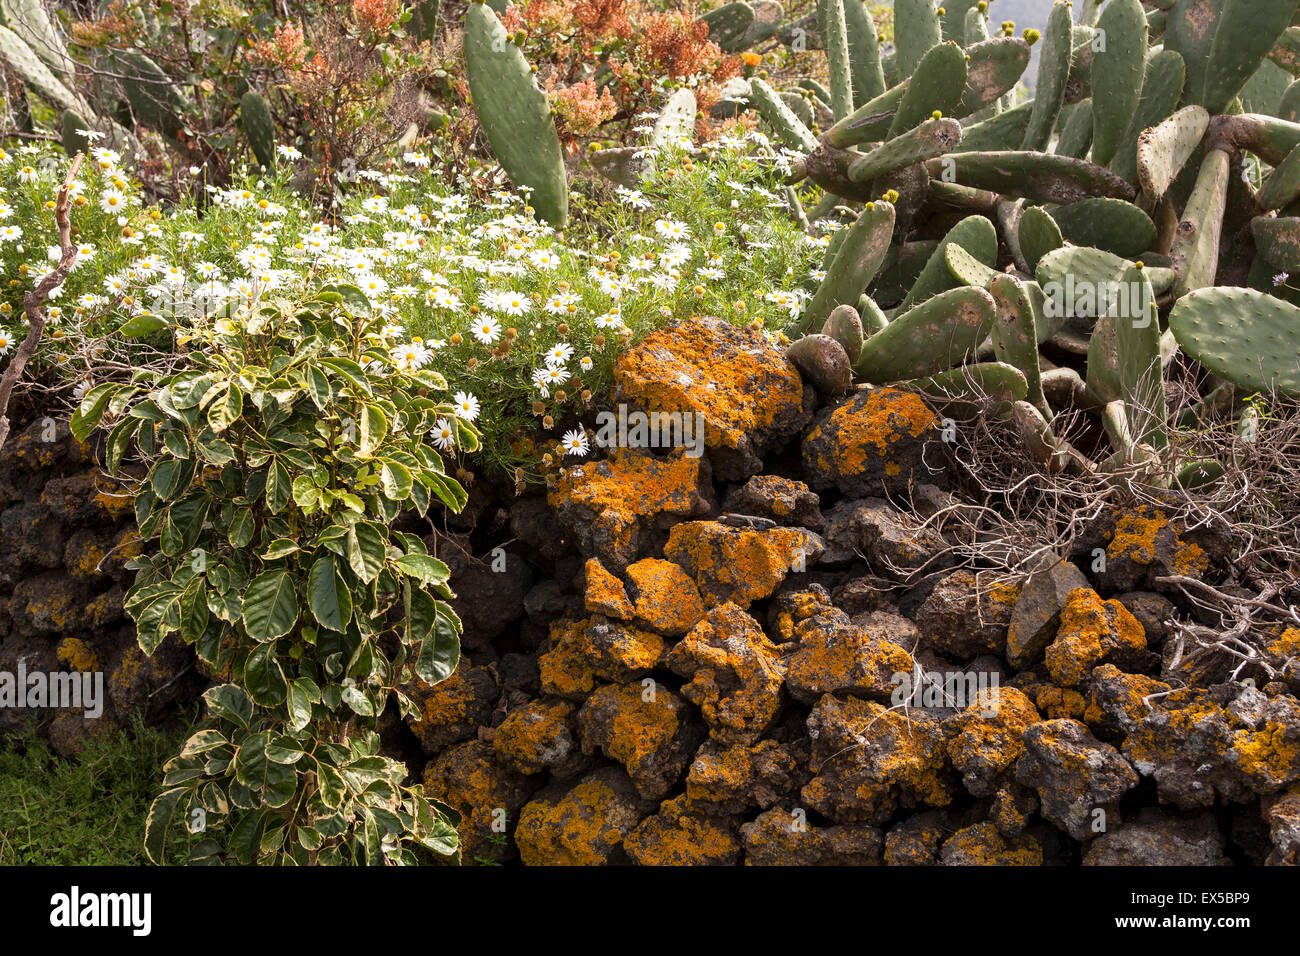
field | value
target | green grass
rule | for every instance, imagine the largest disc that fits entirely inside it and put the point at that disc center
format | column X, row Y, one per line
column 89, row 810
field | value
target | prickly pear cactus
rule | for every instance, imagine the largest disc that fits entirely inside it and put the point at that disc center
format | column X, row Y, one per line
column 1130, row 218
column 1246, row 336
column 514, row 114
column 259, row 127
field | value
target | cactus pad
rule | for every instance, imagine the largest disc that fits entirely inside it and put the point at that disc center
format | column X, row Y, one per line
column 1250, row 338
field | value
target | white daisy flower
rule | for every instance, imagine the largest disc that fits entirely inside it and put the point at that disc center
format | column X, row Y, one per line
column 487, row 329
column 575, row 443
column 672, row 229
column 555, row 375
column 467, row 406
column 409, row 356
column 544, row 259
column 559, row 353
column 443, row 435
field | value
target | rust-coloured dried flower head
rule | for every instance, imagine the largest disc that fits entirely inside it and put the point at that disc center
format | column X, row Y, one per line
column 377, row 15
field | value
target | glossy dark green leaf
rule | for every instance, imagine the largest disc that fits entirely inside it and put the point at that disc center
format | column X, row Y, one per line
column 278, row 487
column 247, row 836
column 139, row 326
column 240, row 531
column 424, row 568
column 226, row 410
column 91, row 409
column 194, row 610
column 229, row 702
column 330, row 601
column 263, row 677
column 270, row 607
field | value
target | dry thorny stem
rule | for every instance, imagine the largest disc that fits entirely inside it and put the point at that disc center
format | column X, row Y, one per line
column 1017, row 516
column 1254, row 622
column 34, row 300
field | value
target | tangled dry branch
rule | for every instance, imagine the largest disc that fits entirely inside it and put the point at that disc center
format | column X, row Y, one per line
column 34, row 300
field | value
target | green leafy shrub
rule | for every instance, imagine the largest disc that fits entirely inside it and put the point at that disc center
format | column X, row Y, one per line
column 469, row 283
column 277, row 463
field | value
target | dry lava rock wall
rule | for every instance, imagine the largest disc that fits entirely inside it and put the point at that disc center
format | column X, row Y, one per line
column 699, row 660
column 66, row 532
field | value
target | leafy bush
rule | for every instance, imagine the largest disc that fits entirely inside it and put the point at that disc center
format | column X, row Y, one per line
column 524, row 323
column 278, row 461
column 608, row 61
column 170, row 82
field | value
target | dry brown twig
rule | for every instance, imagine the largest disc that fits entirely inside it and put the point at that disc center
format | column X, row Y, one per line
column 34, row 300
column 1014, row 513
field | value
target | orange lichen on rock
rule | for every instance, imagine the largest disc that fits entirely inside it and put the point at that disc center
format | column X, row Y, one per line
column 780, row 837
column 1286, row 651
column 1055, row 702
column 485, row 794
column 641, row 727
column 584, row 826
column 1269, row 756
column 742, row 776
column 735, row 674
column 566, row 669
column 838, row 657
column 1091, row 631
column 83, row 555
column 1075, row 775
column 988, row 738
column 681, row 834
column 78, row 655
column 114, row 500
column 536, row 736
column 739, row 565
column 130, row 682
column 795, row 607
column 983, row 845
column 1118, row 701
column 127, row 545
column 666, row 598
column 605, row 502
column 887, row 416
column 1186, row 712
column 452, row 702
column 741, row 383
column 868, row 441
column 1138, row 536
column 605, row 594
column 871, row 759
column 915, row 841
column 620, row 652
column 631, row 484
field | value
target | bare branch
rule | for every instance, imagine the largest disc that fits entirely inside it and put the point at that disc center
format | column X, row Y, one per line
column 34, row 300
